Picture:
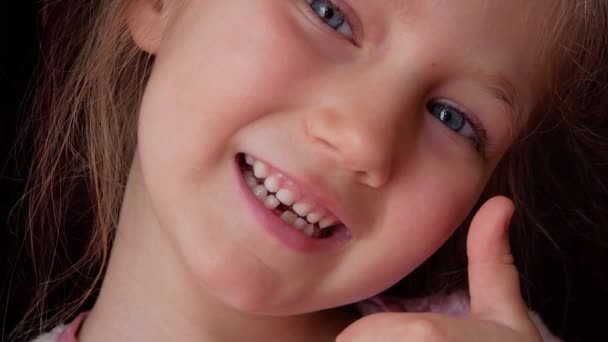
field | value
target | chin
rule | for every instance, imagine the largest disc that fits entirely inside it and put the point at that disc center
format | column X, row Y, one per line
column 249, row 290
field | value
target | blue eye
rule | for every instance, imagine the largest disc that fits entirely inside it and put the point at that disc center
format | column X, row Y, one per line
column 331, row 15
column 451, row 117
column 457, row 121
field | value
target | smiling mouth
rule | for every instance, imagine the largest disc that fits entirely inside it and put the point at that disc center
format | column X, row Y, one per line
column 273, row 193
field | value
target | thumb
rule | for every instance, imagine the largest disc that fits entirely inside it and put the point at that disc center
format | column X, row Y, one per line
column 493, row 278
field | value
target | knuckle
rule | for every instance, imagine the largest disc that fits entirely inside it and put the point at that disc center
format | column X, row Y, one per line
column 424, row 329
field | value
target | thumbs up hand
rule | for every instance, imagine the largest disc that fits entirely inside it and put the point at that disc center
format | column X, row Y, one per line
column 498, row 311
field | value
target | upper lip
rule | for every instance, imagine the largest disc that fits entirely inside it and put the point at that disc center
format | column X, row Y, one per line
column 311, row 187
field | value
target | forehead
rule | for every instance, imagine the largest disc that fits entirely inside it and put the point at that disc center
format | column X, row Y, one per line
column 492, row 12
column 474, row 25
column 502, row 41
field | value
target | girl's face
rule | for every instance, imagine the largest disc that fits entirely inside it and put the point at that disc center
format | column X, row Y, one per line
column 380, row 119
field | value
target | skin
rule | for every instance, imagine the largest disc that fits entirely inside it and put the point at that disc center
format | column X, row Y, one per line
column 347, row 116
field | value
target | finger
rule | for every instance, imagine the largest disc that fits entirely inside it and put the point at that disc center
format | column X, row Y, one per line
column 424, row 327
column 399, row 327
column 493, row 277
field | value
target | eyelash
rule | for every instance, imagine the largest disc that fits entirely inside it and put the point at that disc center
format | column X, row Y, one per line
column 479, row 138
column 337, row 9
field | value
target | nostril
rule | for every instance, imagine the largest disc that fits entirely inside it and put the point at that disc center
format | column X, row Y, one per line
column 374, row 179
column 361, row 177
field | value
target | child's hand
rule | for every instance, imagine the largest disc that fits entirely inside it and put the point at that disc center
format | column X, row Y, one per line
column 498, row 312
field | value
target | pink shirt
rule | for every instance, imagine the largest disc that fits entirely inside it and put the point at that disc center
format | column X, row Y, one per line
column 456, row 304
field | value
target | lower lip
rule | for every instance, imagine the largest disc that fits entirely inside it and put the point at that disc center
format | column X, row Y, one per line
column 284, row 232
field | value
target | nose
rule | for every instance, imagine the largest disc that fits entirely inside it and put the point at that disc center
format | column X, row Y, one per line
column 363, row 132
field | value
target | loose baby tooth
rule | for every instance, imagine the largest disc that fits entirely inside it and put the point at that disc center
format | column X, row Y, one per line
column 302, row 208
column 309, row 230
column 300, row 223
column 272, row 184
column 260, row 192
column 271, row 202
column 314, row 217
column 285, row 196
column 289, row 217
column 249, row 160
column 260, row 170
column 327, row 222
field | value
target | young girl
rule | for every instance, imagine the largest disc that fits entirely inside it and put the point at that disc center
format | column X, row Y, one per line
column 256, row 166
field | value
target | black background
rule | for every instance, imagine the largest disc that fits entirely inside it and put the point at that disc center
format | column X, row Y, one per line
column 19, row 55
column 584, row 318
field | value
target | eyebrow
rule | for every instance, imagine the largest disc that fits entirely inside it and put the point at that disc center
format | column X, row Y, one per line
column 499, row 86
column 502, row 89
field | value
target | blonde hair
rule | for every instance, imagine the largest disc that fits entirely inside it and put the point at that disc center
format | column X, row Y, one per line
column 85, row 138
column 93, row 81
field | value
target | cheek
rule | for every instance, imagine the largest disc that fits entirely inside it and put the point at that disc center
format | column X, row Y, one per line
column 201, row 94
column 421, row 213
column 203, row 90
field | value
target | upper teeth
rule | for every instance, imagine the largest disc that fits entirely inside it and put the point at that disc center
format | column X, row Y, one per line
column 260, row 170
column 302, row 208
column 271, row 183
column 285, row 196
column 303, row 214
column 326, row 222
column 249, row 159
